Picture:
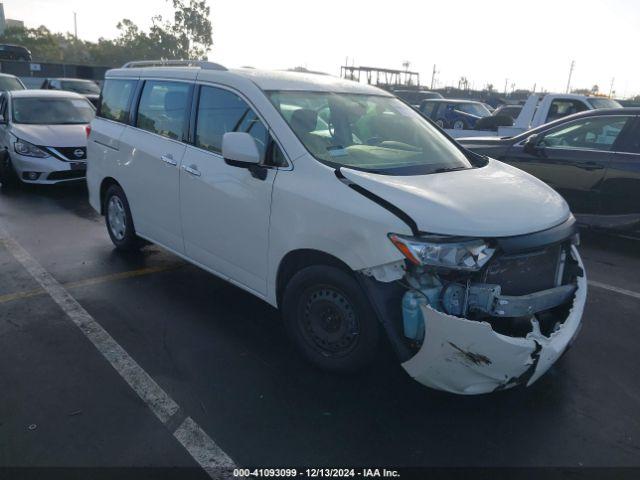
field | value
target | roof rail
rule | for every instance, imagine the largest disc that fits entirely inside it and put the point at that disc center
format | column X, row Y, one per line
column 203, row 64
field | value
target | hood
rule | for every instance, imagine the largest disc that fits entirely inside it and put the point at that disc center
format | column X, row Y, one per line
column 483, row 141
column 51, row 135
column 496, row 200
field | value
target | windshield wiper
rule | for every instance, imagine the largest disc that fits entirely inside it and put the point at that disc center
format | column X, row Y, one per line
column 449, row 169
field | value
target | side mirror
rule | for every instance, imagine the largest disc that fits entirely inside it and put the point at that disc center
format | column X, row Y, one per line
column 240, row 150
column 531, row 145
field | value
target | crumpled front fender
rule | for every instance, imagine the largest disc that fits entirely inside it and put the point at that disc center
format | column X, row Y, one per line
column 469, row 357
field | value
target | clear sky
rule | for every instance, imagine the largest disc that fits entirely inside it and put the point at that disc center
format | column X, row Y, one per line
column 525, row 42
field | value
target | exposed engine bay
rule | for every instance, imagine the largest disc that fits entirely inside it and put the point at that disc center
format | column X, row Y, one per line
column 508, row 293
column 490, row 329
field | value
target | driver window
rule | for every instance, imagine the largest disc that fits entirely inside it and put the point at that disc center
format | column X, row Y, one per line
column 221, row 111
column 598, row 133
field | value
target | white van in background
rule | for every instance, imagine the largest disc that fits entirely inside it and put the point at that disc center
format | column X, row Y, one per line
column 343, row 207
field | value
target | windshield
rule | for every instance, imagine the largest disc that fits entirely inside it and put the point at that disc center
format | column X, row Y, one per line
column 80, row 87
column 52, row 111
column 10, row 83
column 367, row 132
column 603, row 103
column 476, row 109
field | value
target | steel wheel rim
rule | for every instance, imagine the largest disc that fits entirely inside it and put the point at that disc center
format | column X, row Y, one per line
column 117, row 218
column 329, row 322
column 458, row 125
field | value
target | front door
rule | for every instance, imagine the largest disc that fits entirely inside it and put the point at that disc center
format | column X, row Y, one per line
column 153, row 151
column 573, row 158
column 225, row 209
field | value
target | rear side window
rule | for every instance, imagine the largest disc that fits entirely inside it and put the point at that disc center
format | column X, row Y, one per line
column 10, row 83
column 633, row 139
column 115, row 99
column 221, row 111
column 563, row 107
column 163, row 108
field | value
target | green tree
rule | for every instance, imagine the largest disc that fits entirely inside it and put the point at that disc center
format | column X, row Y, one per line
column 188, row 36
column 192, row 27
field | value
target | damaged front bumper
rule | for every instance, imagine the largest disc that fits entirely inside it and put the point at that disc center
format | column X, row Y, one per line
column 468, row 357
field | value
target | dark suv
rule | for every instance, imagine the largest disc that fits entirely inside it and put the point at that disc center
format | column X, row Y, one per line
column 14, row 52
column 87, row 88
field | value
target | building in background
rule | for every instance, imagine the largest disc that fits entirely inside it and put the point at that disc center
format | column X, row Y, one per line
column 8, row 22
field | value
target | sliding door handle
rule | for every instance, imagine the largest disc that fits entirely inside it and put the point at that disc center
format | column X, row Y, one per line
column 192, row 170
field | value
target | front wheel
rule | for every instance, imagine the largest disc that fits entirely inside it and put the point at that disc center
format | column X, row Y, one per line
column 119, row 221
column 330, row 319
column 459, row 125
column 8, row 175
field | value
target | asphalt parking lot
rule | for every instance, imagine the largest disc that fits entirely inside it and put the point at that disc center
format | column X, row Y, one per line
column 221, row 354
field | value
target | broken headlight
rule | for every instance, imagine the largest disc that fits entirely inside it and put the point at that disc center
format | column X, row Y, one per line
column 444, row 252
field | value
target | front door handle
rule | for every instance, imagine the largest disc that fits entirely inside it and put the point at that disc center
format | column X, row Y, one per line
column 192, row 170
column 168, row 158
column 592, row 166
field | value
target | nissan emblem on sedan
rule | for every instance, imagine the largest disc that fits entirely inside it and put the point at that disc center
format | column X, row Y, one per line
column 347, row 210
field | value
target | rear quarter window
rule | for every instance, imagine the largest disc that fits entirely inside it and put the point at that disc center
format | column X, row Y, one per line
column 115, row 100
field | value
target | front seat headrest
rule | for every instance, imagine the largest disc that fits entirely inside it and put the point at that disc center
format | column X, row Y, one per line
column 304, row 120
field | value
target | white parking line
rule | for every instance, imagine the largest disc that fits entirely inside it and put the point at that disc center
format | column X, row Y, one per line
column 199, row 445
column 611, row 288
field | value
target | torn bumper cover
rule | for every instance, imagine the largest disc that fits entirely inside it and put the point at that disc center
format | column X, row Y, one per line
column 468, row 357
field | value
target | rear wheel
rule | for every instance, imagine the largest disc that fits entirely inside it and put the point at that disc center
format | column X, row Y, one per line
column 119, row 221
column 330, row 320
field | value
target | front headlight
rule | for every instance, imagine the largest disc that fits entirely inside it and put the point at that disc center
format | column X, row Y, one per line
column 444, row 252
column 28, row 149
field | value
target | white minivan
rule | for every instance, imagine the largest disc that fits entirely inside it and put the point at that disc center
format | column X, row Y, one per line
column 346, row 209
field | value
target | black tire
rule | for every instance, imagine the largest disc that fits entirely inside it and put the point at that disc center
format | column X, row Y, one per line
column 463, row 124
column 330, row 320
column 122, row 232
column 8, row 176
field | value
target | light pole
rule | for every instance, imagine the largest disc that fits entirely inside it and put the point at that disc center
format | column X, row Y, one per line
column 433, row 76
column 611, row 87
column 573, row 64
column 75, row 25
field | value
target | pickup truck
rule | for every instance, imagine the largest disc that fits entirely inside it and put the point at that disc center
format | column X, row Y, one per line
column 540, row 109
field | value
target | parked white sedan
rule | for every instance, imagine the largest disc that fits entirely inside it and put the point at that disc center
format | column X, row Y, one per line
column 43, row 136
